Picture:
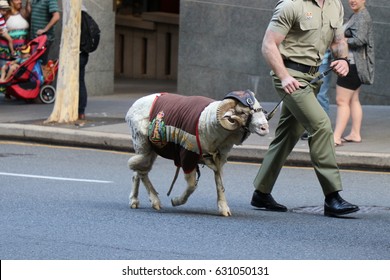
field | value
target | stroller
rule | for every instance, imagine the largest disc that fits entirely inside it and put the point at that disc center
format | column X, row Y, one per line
column 31, row 80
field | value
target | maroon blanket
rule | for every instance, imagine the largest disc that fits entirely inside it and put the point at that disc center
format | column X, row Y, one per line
column 180, row 116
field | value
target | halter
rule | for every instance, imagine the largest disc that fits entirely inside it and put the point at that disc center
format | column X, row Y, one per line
column 247, row 99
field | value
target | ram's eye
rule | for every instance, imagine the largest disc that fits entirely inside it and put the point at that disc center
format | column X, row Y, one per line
column 260, row 110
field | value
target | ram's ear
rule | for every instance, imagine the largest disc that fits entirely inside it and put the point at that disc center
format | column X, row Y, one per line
column 226, row 115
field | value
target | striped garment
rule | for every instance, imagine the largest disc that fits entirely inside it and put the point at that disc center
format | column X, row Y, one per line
column 2, row 22
column 180, row 116
column 18, row 29
column 41, row 14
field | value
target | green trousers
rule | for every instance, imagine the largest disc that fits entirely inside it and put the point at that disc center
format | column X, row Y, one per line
column 301, row 111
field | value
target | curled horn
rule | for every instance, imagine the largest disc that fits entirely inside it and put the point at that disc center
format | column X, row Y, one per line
column 225, row 115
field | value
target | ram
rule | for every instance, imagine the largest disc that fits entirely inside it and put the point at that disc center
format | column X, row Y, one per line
column 190, row 130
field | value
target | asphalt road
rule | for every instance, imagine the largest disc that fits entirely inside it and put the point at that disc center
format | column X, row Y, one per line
column 67, row 203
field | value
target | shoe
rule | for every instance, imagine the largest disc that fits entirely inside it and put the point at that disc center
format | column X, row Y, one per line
column 305, row 136
column 81, row 116
column 336, row 206
column 343, row 139
column 14, row 56
column 267, row 202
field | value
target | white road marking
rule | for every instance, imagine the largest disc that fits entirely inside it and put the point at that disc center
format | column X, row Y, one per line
column 55, row 178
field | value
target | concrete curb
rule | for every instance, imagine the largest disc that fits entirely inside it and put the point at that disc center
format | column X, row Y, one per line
column 301, row 157
column 122, row 142
column 65, row 136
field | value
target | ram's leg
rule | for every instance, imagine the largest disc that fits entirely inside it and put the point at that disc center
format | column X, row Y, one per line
column 133, row 198
column 153, row 194
column 221, row 199
column 191, row 186
column 142, row 164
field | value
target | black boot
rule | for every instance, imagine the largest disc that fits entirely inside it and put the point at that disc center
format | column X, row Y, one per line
column 335, row 206
column 267, row 202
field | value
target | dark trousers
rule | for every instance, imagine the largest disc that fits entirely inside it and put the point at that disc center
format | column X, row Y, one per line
column 45, row 56
column 82, row 88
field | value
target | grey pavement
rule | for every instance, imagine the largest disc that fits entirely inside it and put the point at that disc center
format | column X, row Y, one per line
column 105, row 127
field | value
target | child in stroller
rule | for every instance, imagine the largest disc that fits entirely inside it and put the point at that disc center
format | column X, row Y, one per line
column 30, row 80
column 11, row 66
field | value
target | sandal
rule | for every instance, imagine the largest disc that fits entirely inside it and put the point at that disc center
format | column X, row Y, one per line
column 343, row 139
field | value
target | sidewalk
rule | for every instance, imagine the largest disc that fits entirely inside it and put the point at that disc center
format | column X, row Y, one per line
column 105, row 127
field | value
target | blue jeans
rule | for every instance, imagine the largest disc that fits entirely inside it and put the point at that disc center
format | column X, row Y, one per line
column 322, row 95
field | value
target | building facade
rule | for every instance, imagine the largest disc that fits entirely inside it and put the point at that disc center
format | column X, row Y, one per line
column 220, row 49
column 210, row 46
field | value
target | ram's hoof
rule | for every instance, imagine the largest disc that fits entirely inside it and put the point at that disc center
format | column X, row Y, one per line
column 155, row 202
column 156, row 207
column 224, row 209
column 226, row 213
column 134, row 205
column 176, row 201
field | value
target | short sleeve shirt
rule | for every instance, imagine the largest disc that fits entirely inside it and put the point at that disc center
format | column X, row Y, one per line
column 309, row 29
column 41, row 14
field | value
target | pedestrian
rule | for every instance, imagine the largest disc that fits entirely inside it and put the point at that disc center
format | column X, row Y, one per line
column 293, row 45
column 322, row 96
column 4, row 9
column 44, row 15
column 84, row 57
column 359, row 35
column 89, row 41
column 18, row 27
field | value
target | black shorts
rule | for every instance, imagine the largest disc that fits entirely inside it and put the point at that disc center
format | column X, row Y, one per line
column 351, row 81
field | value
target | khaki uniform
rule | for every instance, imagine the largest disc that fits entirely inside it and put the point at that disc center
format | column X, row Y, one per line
column 309, row 31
